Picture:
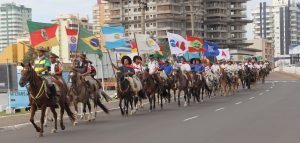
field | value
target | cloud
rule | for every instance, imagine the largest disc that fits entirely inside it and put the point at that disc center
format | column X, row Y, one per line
column 47, row 10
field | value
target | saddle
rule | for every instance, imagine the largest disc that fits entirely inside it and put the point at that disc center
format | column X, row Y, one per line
column 135, row 83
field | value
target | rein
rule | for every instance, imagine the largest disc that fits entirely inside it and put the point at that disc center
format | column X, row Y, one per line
column 120, row 88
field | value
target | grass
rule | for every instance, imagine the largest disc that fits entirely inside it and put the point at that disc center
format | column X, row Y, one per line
column 17, row 113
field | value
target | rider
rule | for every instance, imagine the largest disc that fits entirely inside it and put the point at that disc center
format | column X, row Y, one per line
column 167, row 68
column 42, row 65
column 137, row 62
column 153, row 67
column 197, row 66
column 56, row 68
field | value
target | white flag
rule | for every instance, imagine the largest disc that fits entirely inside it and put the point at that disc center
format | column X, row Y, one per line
column 178, row 45
column 224, row 54
column 146, row 44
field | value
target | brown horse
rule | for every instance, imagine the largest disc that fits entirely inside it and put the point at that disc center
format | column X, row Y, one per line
column 124, row 93
column 81, row 92
column 150, row 89
column 39, row 99
column 182, row 84
column 224, row 83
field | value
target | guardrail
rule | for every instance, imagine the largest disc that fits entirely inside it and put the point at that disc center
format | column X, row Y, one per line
column 294, row 70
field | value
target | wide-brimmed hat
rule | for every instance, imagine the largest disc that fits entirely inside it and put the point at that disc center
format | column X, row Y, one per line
column 53, row 55
column 126, row 57
column 137, row 57
column 42, row 49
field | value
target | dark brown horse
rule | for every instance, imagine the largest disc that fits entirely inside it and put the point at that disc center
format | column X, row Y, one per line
column 182, row 84
column 125, row 93
column 40, row 100
column 150, row 89
column 224, row 83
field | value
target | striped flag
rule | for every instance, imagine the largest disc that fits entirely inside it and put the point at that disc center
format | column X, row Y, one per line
column 73, row 38
column 114, row 37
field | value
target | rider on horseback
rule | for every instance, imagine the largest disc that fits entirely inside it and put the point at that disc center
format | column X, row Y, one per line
column 56, row 69
column 230, row 70
column 42, row 65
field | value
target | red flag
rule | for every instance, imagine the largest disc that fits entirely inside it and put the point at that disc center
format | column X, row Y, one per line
column 71, row 32
column 195, row 44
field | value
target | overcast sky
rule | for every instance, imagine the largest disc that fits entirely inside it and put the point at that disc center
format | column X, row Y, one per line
column 46, row 10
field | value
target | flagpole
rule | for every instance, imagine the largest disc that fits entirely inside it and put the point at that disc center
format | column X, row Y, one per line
column 78, row 30
column 109, row 56
column 137, row 47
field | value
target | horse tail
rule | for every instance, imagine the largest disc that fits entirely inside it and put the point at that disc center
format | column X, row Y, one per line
column 102, row 106
column 69, row 112
column 106, row 97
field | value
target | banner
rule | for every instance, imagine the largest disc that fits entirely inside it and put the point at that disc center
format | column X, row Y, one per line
column 19, row 99
column 146, row 44
column 211, row 49
column 73, row 37
column 178, row 45
column 114, row 37
column 195, row 44
column 223, row 54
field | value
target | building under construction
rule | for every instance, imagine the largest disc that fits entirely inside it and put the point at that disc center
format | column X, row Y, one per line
column 220, row 21
column 161, row 16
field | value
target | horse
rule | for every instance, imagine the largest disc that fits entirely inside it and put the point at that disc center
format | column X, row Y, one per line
column 81, row 92
column 38, row 98
column 262, row 74
column 248, row 77
column 182, row 84
column 241, row 75
column 150, row 89
column 124, row 93
column 224, row 83
column 234, row 84
column 196, row 86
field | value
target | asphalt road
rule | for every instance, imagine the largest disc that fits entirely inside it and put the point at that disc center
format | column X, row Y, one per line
column 269, row 113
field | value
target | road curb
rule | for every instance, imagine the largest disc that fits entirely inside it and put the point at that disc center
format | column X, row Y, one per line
column 19, row 126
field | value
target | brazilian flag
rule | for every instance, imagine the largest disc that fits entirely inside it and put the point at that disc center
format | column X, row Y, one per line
column 88, row 43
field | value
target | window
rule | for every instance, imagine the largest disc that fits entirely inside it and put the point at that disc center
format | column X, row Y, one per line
column 147, row 24
column 135, row 26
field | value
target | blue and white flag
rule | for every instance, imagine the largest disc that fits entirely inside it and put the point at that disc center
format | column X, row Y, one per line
column 114, row 37
column 211, row 49
column 126, row 48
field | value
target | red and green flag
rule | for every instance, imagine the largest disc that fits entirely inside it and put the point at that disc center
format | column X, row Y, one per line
column 195, row 44
column 42, row 34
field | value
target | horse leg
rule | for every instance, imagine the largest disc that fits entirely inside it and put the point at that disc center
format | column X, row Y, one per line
column 161, row 101
column 55, row 119
column 33, row 109
column 174, row 95
column 120, row 106
column 185, row 98
column 154, row 100
column 47, row 117
column 62, row 111
column 178, row 96
column 90, row 118
column 169, row 95
column 43, row 110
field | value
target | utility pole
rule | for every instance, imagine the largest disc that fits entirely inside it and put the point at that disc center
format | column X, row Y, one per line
column 143, row 6
column 192, row 16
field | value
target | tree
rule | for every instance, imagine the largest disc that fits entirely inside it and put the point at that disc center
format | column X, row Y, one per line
column 29, row 56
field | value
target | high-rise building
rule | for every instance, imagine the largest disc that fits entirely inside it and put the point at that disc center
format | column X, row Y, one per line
column 101, row 16
column 161, row 16
column 13, row 20
column 225, row 22
column 278, row 23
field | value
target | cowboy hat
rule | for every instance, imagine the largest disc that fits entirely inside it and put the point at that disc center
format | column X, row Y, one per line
column 137, row 57
column 126, row 57
column 42, row 49
column 53, row 55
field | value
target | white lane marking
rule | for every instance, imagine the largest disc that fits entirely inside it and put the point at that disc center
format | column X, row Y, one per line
column 261, row 93
column 251, row 97
column 220, row 109
column 238, row 103
column 187, row 119
column 267, row 90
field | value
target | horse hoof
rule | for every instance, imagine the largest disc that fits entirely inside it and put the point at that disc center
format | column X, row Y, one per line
column 75, row 123
column 53, row 131
column 185, row 104
column 45, row 125
column 63, row 127
column 41, row 135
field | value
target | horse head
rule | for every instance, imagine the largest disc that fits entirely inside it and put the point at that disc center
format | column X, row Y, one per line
column 27, row 74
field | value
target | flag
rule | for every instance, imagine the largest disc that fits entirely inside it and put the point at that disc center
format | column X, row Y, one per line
column 146, row 44
column 73, row 36
column 127, row 48
column 211, row 49
column 114, row 37
column 189, row 56
column 42, row 34
column 88, row 42
column 177, row 44
column 223, row 54
column 195, row 44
